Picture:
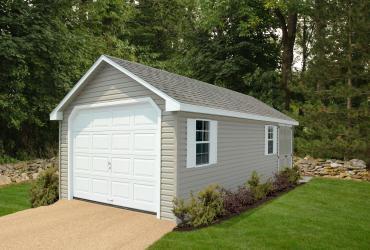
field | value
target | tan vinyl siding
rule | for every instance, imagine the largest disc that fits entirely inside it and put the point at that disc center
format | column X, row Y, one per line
column 108, row 84
column 241, row 149
column 285, row 146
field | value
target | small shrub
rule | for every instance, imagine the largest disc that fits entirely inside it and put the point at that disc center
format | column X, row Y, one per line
column 203, row 209
column 44, row 190
column 181, row 210
column 259, row 191
column 254, row 181
column 286, row 178
column 5, row 159
column 262, row 191
column 236, row 202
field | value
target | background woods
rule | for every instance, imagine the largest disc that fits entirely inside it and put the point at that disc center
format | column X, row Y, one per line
column 309, row 59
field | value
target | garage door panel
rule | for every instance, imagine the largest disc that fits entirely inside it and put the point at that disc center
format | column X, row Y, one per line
column 100, row 142
column 82, row 184
column 82, row 162
column 115, row 156
column 144, row 142
column 81, row 143
column 100, row 164
column 143, row 192
column 121, row 142
column 121, row 166
column 121, row 190
column 144, row 167
column 100, row 186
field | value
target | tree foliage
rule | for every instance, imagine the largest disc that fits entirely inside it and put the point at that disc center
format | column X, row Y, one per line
column 334, row 91
column 46, row 46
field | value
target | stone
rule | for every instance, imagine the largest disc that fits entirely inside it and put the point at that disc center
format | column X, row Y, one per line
column 343, row 175
column 335, row 165
column 318, row 167
column 4, row 180
column 332, row 168
column 357, row 164
column 24, row 177
column 34, row 176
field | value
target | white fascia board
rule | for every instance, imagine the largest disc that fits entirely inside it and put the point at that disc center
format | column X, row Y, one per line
column 222, row 112
column 57, row 113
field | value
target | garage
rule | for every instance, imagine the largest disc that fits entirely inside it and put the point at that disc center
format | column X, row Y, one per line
column 115, row 154
column 134, row 136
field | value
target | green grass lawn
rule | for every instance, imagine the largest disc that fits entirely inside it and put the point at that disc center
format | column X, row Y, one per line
column 322, row 214
column 14, row 197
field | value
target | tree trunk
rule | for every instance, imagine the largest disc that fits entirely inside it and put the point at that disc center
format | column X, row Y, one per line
column 304, row 45
column 289, row 28
column 349, row 55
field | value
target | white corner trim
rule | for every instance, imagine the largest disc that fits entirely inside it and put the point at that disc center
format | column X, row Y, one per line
column 107, row 104
column 213, row 111
column 57, row 113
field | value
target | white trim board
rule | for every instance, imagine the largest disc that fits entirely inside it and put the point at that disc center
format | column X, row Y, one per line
column 171, row 103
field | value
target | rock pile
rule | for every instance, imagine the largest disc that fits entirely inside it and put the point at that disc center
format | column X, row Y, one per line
column 25, row 170
column 353, row 169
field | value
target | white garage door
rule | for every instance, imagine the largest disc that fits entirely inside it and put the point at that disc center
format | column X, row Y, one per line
column 115, row 155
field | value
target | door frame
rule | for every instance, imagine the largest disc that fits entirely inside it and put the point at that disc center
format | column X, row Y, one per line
column 109, row 104
column 291, row 144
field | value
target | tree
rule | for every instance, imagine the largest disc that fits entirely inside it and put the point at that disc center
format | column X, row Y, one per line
column 335, row 120
column 42, row 53
column 228, row 41
column 286, row 12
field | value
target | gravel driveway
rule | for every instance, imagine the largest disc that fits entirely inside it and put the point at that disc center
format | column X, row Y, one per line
column 80, row 225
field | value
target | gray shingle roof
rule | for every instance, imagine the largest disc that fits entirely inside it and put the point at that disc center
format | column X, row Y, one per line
column 191, row 91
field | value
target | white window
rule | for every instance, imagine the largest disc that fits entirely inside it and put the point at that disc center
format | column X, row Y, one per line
column 270, row 140
column 201, row 142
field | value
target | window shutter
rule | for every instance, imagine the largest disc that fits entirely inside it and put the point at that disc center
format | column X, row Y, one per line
column 266, row 142
column 190, row 145
column 213, row 142
column 275, row 139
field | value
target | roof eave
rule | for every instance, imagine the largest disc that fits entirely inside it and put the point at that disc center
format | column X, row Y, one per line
column 221, row 112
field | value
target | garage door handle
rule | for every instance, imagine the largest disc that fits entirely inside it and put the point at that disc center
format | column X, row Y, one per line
column 111, row 200
column 109, row 165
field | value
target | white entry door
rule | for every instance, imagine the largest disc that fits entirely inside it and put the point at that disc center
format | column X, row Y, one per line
column 115, row 155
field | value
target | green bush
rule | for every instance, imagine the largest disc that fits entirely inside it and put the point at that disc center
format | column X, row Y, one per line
column 181, row 210
column 202, row 209
column 45, row 191
column 213, row 202
column 258, row 190
column 4, row 159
